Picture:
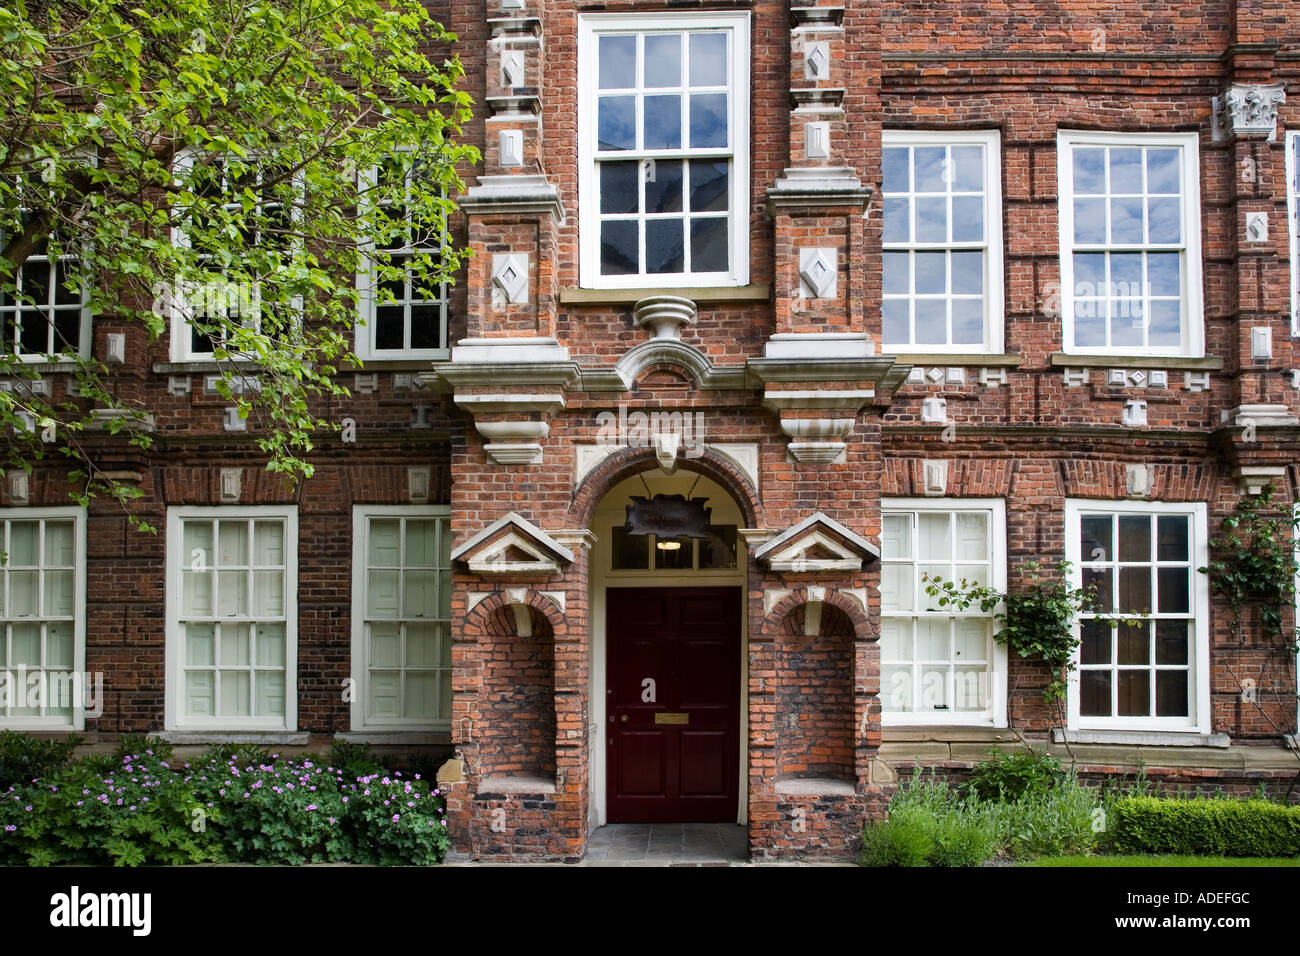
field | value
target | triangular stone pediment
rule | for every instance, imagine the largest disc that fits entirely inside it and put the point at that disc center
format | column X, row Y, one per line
column 513, row 545
column 817, row 544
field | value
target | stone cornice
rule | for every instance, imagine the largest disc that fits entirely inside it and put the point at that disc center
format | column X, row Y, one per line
column 523, row 193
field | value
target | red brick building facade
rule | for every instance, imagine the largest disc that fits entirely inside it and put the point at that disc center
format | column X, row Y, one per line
column 902, row 289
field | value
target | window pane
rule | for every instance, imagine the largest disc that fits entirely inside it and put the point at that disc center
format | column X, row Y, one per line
column 1134, row 693
column 1164, row 273
column 719, row 549
column 896, row 688
column 1171, row 642
column 1094, row 693
column 59, row 650
column 24, row 537
column 895, row 272
column 1095, row 645
column 664, row 249
column 896, row 536
column 970, row 637
column 968, row 168
column 385, row 645
column 270, row 645
column 1095, row 538
column 709, row 185
column 1135, row 590
column 931, row 272
column 630, row 552
column 1164, row 220
column 421, row 694
column 1089, row 273
column 933, row 536
column 932, row 219
column 1166, row 323
column 618, row 187
column 420, row 540
column 1163, row 175
column 931, row 168
column 1174, row 594
column 617, row 62
column 418, row 594
column 709, row 120
column 59, row 594
column 270, row 693
column 673, row 554
column 967, row 321
column 972, row 537
column 1099, row 583
column 1125, row 170
column 663, row 122
column 1135, row 538
column 896, row 587
column 663, row 59
column 618, row 248
column 421, row 645
column 968, row 273
column 1171, row 694
column 894, row 319
column 232, row 544
column 708, row 59
column 616, row 122
column 1126, row 221
column 1089, row 171
column 968, row 218
column 1134, row 642
column 199, row 693
column 1090, row 221
column 235, row 688
column 895, row 639
column 934, row 688
column 931, row 321
column 59, row 550
column 663, row 189
column 381, row 594
column 896, row 226
column 970, row 688
column 896, row 178
column 934, row 639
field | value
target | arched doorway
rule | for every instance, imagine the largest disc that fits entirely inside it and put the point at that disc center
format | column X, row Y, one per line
column 669, row 744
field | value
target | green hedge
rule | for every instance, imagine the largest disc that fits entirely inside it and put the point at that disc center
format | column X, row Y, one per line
column 1206, row 827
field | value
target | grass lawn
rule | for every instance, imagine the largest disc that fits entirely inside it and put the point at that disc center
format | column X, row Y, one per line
column 1161, row 861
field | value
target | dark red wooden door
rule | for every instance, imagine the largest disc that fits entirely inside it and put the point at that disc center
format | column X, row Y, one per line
column 673, row 702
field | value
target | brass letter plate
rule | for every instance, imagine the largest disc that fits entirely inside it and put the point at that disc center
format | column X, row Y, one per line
column 672, row 718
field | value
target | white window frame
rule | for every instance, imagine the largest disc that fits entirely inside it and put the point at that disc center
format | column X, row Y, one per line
column 77, row 721
column 368, row 303
column 1293, row 220
column 994, row 302
column 361, row 517
column 178, row 310
column 1198, row 722
column 1193, row 313
column 590, row 25
column 177, row 560
column 996, row 713
column 84, row 329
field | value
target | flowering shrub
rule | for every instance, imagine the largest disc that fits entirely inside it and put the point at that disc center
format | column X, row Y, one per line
column 150, row 811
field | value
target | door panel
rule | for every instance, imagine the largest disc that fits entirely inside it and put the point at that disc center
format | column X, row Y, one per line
column 673, row 704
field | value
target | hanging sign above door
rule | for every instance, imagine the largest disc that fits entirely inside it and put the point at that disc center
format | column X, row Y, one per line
column 669, row 516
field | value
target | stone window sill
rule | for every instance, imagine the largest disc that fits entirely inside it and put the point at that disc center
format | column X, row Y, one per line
column 1141, row 738
column 957, row 359
column 276, row 738
column 1209, row 363
column 814, row 786
column 408, row 738
column 697, row 294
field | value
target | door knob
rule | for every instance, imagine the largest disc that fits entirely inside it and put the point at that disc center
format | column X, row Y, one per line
column 623, row 719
